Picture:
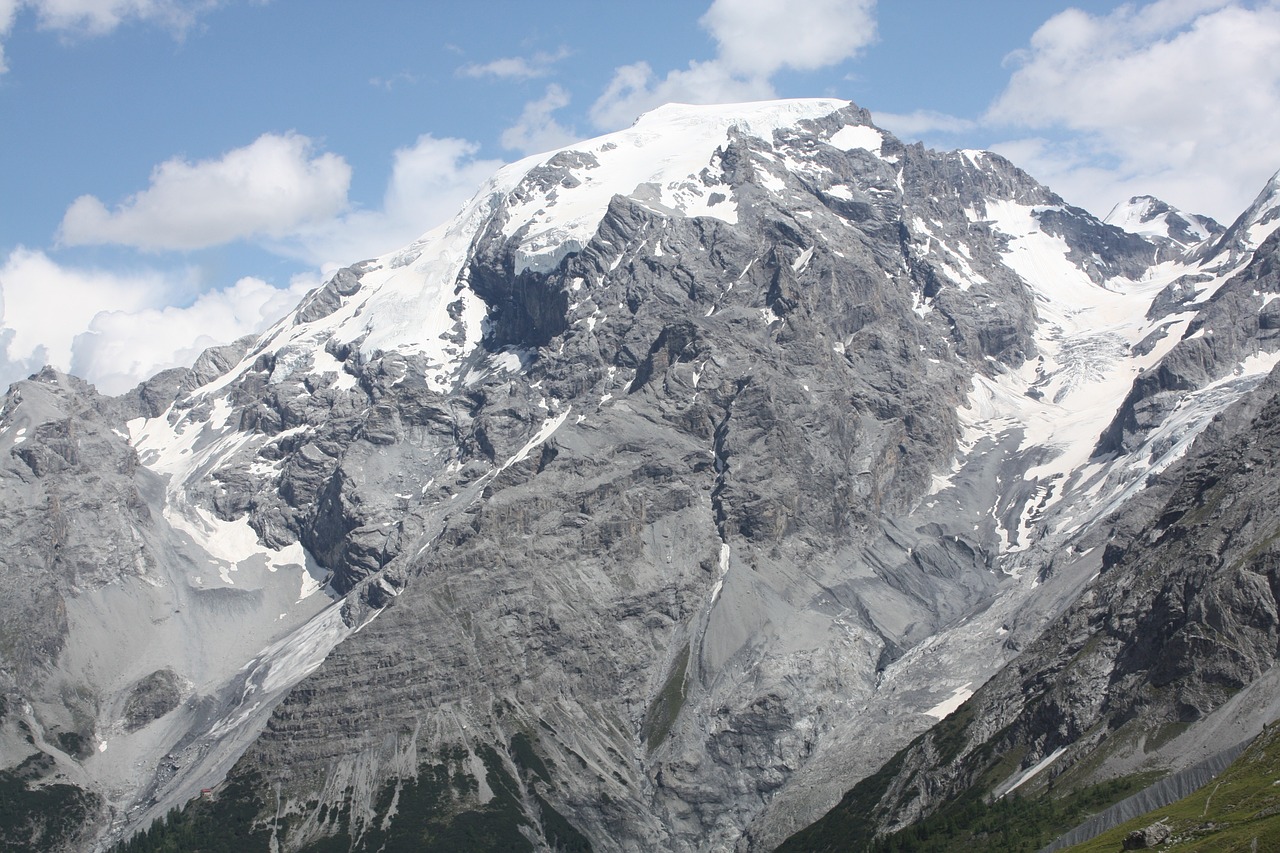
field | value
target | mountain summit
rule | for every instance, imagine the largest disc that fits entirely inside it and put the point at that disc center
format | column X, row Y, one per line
column 666, row 491
column 1153, row 218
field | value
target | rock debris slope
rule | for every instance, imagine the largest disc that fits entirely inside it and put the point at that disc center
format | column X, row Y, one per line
column 668, row 489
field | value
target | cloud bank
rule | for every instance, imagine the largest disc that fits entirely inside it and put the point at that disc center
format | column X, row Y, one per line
column 44, row 306
column 8, row 15
column 266, row 189
column 119, row 348
column 116, row 329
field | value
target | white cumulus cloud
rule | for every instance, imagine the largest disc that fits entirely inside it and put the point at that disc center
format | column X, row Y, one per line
column 429, row 182
column 755, row 40
column 919, row 123
column 281, row 194
column 8, row 14
column 537, row 130
column 121, row 348
column 759, row 37
column 515, row 67
column 635, row 89
column 99, row 17
column 1178, row 98
column 267, row 188
column 116, row 329
column 43, row 306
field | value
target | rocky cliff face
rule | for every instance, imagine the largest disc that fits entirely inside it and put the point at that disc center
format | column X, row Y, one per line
column 1167, row 656
column 682, row 478
column 1165, row 659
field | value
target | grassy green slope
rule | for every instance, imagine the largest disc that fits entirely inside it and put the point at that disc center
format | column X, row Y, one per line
column 1240, row 811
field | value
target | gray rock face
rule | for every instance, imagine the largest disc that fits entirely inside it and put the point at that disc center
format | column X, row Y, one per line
column 327, row 299
column 648, row 532
column 1148, row 837
column 107, row 630
column 1167, row 790
column 1182, row 618
column 71, row 484
column 152, row 698
column 642, row 560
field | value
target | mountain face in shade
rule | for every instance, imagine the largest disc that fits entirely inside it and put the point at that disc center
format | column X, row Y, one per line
column 673, row 486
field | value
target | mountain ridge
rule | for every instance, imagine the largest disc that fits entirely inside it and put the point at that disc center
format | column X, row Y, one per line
column 717, row 489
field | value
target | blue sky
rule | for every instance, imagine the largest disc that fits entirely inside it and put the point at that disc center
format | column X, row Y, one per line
column 178, row 172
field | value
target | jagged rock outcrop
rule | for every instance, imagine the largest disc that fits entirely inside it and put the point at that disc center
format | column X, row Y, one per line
column 1148, row 837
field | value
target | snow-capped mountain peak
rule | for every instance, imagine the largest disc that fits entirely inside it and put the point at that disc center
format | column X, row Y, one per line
column 667, row 160
column 416, row 300
column 1150, row 217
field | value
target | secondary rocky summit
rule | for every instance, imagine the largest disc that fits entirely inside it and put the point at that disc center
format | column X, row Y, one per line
column 667, row 490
